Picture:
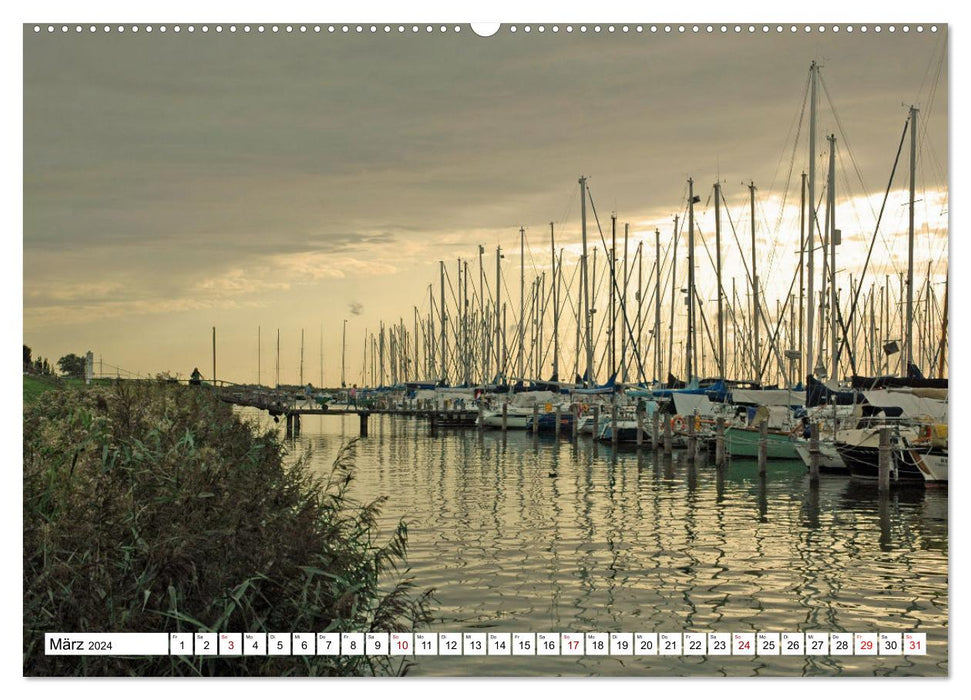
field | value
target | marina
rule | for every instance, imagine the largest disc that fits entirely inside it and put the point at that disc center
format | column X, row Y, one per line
column 570, row 332
column 627, row 541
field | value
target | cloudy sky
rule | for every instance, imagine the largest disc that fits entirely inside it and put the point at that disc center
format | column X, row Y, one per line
column 176, row 182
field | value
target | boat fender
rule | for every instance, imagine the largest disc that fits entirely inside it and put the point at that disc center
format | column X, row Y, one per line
column 677, row 423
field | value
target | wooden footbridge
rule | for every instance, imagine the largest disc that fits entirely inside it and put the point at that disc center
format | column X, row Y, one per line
column 293, row 405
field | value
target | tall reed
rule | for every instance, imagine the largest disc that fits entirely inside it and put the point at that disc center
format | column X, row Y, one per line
column 150, row 507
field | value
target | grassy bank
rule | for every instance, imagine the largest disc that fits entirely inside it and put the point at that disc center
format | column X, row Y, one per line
column 150, row 507
column 37, row 384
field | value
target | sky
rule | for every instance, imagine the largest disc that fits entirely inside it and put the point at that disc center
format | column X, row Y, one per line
column 178, row 182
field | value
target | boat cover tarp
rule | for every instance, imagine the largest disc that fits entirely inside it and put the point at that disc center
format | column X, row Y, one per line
column 535, row 398
column 768, row 397
column 859, row 382
column 818, row 393
column 911, row 405
column 686, row 404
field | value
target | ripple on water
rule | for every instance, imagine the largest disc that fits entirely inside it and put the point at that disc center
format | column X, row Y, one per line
column 642, row 543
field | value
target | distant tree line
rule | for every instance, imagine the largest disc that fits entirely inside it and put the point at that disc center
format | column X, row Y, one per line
column 70, row 365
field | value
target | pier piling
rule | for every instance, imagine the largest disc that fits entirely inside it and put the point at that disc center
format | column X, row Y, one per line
column 576, row 420
column 613, row 424
column 535, row 420
column 656, row 430
column 640, row 428
column 884, row 463
column 692, row 440
column 505, row 415
column 763, row 446
column 481, row 416
column 363, row 416
column 667, row 436
column 719, row 441
column 814, row 453
column 596, row 422
column 556, row 429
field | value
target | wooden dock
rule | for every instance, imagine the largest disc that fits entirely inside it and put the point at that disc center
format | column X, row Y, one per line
column 293, row 406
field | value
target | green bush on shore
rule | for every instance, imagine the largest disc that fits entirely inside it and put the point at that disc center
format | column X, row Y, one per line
column 150, row 507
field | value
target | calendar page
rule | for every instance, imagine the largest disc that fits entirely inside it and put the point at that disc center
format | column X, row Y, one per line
column 443, row 349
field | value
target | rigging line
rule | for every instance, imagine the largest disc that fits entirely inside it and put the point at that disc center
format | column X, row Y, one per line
column 856, row 294
column 769, row 263
column 928, row 110
column 760, row 314
column 930, row 62
column 892, row 257
column 630, row 331
column 792, row 157
column 846, row 140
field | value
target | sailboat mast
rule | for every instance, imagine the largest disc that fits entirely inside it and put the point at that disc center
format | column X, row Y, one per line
column 810, row 245
column 802, row 282
column 623, row 311
column 756, row 348
column 718, row 273
column 343, row 352
column 301, row 357
column 444, row 367
column 522, row 300
column 658, row 358
column 277, row 357
column 910, row 241
column 639, row 345
column 429, row 336
column 942, row 348
column 587, row 330
column 689, row 356
column 556, row 306
column 674, row 274
column 499, row 345
column 483, row 356
column 612, row 328
column 833, row 298
column 259, row 353
column 466, row 350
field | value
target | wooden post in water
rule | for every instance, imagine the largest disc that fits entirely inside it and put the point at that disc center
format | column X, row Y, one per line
column 481, row 416
column 556, row 429
column 640, row 428
column 505, row 412
column 433, row 422
column 576, row 420
column 363, row 416
column 720, row 441
column 667, row 436
column 814, row 453
column 692, row 441
column 656, row 430
column 884, row 464
column 535, row 419
column 296, row 424
column 289, row 425
column 613, row 424
column 763, row 445
column 596, row 422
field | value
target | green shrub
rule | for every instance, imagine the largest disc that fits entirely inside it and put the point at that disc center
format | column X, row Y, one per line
column 150, row 507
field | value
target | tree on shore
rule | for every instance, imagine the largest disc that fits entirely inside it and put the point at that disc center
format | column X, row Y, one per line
column 71, row 365
column 27, row 360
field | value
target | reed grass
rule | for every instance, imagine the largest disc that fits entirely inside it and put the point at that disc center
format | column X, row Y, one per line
column 151, row 507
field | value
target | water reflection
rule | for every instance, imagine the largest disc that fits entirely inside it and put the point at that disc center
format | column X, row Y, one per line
column 518, row 533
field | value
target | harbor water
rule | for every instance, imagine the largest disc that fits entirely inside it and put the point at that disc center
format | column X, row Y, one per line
column 524, row 534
